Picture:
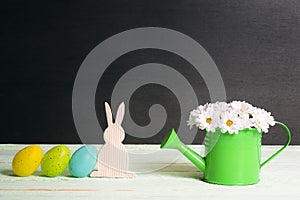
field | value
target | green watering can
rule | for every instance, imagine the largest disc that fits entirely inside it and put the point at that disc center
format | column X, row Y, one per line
column 234, row 159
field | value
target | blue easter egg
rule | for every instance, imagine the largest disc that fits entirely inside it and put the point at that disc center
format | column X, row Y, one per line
column 83, row 161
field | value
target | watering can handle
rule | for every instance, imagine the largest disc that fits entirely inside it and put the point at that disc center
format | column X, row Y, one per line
column 282, row 148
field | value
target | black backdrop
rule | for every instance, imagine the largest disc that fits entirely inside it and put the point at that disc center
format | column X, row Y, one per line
column 255, row 45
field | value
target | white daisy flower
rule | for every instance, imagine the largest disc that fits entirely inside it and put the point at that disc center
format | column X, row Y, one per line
column 230, row 122
column 194, row 118
column 203, row 118
column 242, row 106
column 262, row 120
column 221, row 107
column 246, row 121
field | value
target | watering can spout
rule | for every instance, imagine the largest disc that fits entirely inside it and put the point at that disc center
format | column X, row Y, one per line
column 171, row 141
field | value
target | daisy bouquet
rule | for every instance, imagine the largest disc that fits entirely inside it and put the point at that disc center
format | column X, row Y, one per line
column 230, row 117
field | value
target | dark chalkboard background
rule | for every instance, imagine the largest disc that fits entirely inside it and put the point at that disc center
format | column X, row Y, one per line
column 255, row 44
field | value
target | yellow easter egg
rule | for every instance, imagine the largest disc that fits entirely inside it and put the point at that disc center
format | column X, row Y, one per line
column 27, row 160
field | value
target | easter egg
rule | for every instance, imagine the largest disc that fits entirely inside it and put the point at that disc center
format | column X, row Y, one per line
column 55, row 161
column 83, row 161
column 27, row 160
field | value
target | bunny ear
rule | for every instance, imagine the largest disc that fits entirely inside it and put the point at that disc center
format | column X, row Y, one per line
column 120, row 113
column 108, row 114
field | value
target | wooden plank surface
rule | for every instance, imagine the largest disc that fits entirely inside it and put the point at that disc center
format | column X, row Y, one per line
column 159, row 176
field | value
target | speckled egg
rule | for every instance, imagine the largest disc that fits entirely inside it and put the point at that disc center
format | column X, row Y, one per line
column 27, row 160
column 55, row 161
column 83, row 161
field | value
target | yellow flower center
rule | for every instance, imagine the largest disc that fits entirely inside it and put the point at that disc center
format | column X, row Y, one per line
column 208, row 120
column 229, row 122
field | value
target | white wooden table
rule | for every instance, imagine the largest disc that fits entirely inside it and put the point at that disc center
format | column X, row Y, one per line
column 157, row 178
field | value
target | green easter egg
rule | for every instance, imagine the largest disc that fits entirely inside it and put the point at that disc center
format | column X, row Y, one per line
column 55, row 161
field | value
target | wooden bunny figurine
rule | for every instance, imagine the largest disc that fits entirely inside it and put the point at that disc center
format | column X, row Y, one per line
column 113, row 158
